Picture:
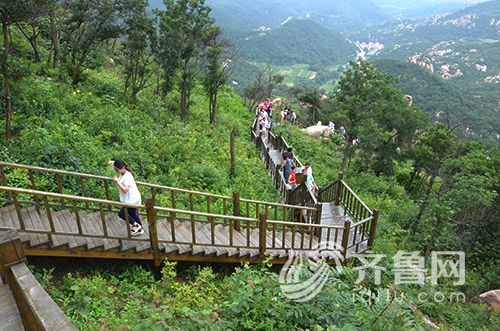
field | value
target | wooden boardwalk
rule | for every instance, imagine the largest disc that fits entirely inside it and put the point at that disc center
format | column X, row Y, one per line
column 224, row 244
column 10, row 318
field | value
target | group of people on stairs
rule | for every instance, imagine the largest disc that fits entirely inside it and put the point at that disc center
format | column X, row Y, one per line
column 290, row 171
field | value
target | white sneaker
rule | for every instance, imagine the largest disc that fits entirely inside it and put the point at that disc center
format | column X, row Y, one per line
column 137, row 231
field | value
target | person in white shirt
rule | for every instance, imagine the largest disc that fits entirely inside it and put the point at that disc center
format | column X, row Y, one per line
column 128, row 194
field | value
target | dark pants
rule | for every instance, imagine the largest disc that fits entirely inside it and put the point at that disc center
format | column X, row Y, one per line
column 286, row 173
column 133, row 216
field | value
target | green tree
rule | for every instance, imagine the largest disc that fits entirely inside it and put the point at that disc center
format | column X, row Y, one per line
column 138, row 46
column 463, row 212
column 375, row 113
column 185, row 27
column 311, row 98
column 436, row 145
column 89, row 23
column 216, row 73
column 11, row 12
column 262, row 87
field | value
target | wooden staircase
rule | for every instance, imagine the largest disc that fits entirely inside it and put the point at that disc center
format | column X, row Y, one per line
column 181, row 224
column 212, row 241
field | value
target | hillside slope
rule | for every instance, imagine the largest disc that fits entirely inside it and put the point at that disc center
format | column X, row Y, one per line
column 476, row 114
column 299, row 41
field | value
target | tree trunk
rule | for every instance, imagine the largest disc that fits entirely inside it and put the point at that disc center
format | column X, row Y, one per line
column 184, row 99
column 213, row 108
column 424, row 203
column 32, row 40
column 6, row 81
column 436, row 229
column 345, row 158
column 54, row 38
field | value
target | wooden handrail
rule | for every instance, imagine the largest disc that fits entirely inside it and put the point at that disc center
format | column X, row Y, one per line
column 356, row 197
column 369, row 218
column 199, row 213
column 279, row 204
column 307, row 225
column 68, row 197
column 109, row 179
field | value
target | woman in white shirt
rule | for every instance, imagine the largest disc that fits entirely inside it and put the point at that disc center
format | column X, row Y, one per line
column 128, row 194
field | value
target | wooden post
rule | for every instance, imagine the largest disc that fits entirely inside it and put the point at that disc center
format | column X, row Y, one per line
column 319, row 207
column 11, row 252
column 338, row 191
column 345, row 238
column 373, row 228
column 33, row 187
column 232, row 171
column 236, row 209
column 153, row 231
column 262, row 233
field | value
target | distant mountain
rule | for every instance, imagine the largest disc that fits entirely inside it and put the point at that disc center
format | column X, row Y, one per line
column 463, row 46
column 475, row 113
column 405, row 9
column 339, row 15
column 298, row 41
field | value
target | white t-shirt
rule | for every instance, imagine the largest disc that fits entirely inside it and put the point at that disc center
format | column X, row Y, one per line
column 132, row 196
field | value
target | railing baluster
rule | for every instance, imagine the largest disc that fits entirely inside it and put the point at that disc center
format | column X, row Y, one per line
column 274, row 235
column 172, row 201
column 262, row 233
column 103, row 220
column 48, row 211
column 373, row 228
column 18, row 211
column 60, row 189
column 345, row 238
column 302, row 237
column 236, row 208
column 153, row 230
column 106, row 189
column 248, row 233
column 193, row 231
column 283, row 241
column 172, row 228
column 33, row 187
column 212, row 230
column 84, row 190
column 127, row 222
column 312, row 234
column 230, row 232
column 77, row 217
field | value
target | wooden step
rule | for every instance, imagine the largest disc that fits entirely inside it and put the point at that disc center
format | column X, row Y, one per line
column 10, row 319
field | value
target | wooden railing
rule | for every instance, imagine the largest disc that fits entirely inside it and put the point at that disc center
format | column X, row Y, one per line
column 37, row 309
column 302, row 196
column 101, row 187
column 79, row 206
column 363, row 221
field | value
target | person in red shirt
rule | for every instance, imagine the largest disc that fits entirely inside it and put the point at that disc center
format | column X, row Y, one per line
column 292, row 180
